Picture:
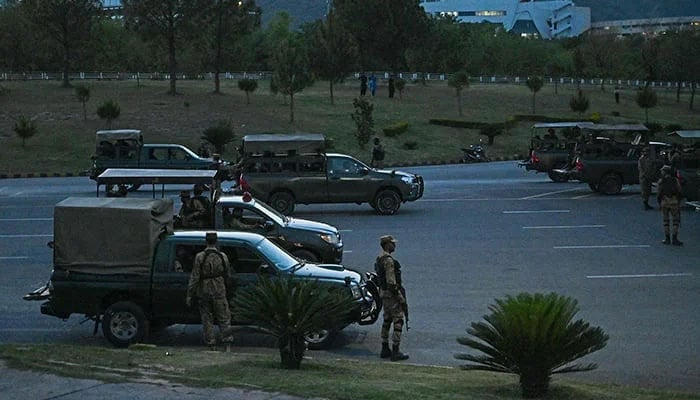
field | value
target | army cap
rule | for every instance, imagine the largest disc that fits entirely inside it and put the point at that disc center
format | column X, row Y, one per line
column 386, row 239
column 211, row 236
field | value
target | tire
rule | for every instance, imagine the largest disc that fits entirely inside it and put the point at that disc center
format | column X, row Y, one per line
column 557, row 177
column 305, row 255
column 282, row 202
column 610, row 184
column 320, row 340
column 593, row 186
column 388, row 202
column 124, row 323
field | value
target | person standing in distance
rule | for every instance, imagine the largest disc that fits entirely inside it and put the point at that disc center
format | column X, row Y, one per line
column 209, row 284
column 646, row 176
column 394, row 299
column 669, row 196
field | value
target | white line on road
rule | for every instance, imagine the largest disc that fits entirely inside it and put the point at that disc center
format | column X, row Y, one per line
column 536, row 211
column 26, row 219
column 612, row 246
column 563, row 226
column 14, row 258
column 583, row 196
column 548, row 193
column 347, row 251
column 638, row 276
column 23, row 236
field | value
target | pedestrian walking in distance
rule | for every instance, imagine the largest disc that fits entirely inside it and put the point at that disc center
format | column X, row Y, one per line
column 669, row 197
column 394, row 298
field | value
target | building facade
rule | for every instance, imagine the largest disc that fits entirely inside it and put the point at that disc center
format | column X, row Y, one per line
column 648, row 26
column 544, row 19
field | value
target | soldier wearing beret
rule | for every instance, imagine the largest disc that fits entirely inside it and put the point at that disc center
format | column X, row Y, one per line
column 394, row 298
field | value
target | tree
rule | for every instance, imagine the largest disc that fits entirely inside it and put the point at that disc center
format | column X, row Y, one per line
column 534, row 84
column 219, row 135
column 459, row 80
column 533, row 336
column 400, row 85
column 82, row 93
column 248, row 86
column 170, row 21
column 491, row 131
column 291, row 71
column 363, row 119
column 646, row 99
column 333, row 52
column 109, row 111
column 25, row 128
column 68, row 23
column 290, row 309
column 579, row 103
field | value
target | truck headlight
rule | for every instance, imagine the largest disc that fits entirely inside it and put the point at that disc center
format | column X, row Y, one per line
column 331, row 238
column 407, row 179
column 356, row 292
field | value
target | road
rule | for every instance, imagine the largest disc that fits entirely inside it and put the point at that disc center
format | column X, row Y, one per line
column 481, row 232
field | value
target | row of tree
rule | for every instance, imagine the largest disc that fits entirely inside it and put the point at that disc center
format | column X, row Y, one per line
column 192, row 36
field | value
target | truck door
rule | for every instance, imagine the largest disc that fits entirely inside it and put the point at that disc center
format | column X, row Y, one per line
column 171, row 275
column 155, row 157
column 348, row 181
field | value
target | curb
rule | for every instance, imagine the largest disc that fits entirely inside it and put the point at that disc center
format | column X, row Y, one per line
column 515, row 157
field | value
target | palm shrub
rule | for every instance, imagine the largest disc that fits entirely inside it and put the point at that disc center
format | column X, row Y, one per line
column 579, row 103
column 532, row 336
column 219, row 135
column 82, row 93
column 248, row 86
column 109, row 111
column 289, row 309
column 25, row 128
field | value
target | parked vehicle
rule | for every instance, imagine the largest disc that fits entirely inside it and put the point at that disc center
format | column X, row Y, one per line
column 126, row 278
column 474, row 153
column 284, row 170
column 689, row 172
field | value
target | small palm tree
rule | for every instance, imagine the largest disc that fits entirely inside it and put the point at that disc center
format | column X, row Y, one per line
column 459, row 80
column 534, row 83
column 579, row 103
column 248, row 86
column 82, row 93
column 533, row 336
column 25, row 128
column 109, row 111
column 219, row 135
column 289, row 309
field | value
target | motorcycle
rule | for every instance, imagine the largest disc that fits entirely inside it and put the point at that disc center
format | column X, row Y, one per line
column 474, row 153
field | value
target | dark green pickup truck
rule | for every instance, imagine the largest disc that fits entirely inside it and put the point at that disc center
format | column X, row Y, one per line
column 115, row 263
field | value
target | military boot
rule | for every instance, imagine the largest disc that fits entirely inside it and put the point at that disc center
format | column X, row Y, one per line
column 667, row 240
column 397, row 355
column 386, row 351
column 675, row 241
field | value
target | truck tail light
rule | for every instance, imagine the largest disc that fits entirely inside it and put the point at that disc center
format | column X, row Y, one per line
column 243, row 184
column 533, row 157
column 579, row 164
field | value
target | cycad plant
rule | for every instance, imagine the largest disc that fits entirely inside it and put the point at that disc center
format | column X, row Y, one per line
column 533, row 336
column 289, row 309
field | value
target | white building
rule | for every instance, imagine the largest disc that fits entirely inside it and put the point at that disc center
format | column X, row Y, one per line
column 649, row 26
column 546, row 19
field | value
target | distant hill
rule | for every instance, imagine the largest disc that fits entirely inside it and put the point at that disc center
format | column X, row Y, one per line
column 303, row 11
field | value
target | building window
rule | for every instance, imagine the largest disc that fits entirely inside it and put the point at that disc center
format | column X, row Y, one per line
column 491, row 13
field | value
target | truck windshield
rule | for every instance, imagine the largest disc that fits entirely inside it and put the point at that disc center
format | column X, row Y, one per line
column 277, row 256
column 271, row 212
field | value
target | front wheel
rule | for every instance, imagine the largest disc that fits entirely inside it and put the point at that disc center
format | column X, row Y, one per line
column 388, row 202
column 610, row 184
column 282, row 202
column 124, row 323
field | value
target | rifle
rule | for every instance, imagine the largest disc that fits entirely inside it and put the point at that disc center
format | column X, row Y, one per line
column 405, row 306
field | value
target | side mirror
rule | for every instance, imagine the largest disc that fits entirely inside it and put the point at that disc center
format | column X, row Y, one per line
column 364, row 171
column 268, row 225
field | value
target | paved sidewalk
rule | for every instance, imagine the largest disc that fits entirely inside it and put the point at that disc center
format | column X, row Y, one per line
column 29, row 385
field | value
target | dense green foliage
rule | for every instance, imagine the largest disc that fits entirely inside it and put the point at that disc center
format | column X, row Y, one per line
column 532, row 336
column 395, row 129
column 646, row 99
column 248, row 86
column 579, row 103
column 109, row 111
column 363, row 120
column 219, row 135
column 25, row 128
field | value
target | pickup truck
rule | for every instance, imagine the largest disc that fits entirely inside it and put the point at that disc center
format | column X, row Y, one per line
column 607, row 171
column 309, row 240
column 126, row 277
column 284, row 170
column 550, row 156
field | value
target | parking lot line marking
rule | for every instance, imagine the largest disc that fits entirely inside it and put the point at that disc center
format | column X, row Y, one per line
column 563, row 226
column 347, row 251
column 583, row 196
column 14, row 258
column 611, row 246
column 536, row 211
column 548, row 193
column 23, row 236
column 26, row 219
column 639, row 276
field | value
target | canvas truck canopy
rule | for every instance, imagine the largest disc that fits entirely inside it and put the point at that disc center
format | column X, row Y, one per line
column 109, row 235
column 685, row 134
column 119, row 134
column 299, row 143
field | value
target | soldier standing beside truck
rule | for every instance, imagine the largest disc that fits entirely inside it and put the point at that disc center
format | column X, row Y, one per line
column 209, row 284
column 669, row 197
column 646, row 176
column 394, row 298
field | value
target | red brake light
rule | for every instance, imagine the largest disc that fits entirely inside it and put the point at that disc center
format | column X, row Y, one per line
column 243, row 184
column 579, row 164
column 247, row 197
column 533, row 157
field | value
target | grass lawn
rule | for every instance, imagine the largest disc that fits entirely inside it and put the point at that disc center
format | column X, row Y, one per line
column 318, row 377
column 65, row 140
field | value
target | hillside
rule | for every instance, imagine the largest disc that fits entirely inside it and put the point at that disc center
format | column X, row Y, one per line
column 601, row 10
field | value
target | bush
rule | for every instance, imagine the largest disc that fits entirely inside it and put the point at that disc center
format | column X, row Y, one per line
column 364, row 121
column 219, row 135
column 25, row 128
column 533, row 336
column 595, row 117
column 410, row 145
column 109, row 110
column 395, row 129
column 579, row 103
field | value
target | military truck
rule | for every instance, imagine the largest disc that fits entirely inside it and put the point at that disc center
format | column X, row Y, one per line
column 284, row 170
column 689, row 171
column 115, row 263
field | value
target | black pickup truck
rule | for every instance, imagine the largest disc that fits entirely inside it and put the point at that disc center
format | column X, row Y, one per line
column 115, row 263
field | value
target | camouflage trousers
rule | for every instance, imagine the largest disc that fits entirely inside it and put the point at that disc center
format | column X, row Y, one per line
column 670, row 208
column 645, row 185
column 393, row 315
column 211, row 309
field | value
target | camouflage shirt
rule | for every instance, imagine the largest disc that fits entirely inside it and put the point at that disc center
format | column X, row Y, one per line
column 209, row 275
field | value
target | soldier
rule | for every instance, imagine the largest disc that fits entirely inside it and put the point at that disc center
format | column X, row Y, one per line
column 669, row 196
column 675, row 159
column 184, row 215
column 201, row 208
column 394, row 299
column 209, row 284
column 646, row 175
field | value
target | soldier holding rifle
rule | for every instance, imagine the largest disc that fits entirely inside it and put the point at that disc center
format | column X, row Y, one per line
column 394, row 298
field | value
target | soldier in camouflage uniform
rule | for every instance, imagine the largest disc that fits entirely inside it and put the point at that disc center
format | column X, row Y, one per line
column 200, row 207
column 646, row 176
column 393, row 296
column 669, row 197
column 208, row 283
